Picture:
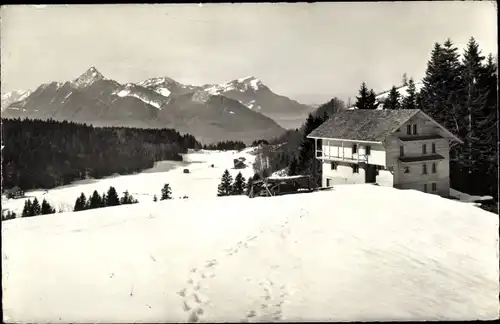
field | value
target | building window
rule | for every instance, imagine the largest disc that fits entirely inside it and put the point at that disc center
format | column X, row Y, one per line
column 355, row 168
column 333, row 166
column 407, row 169
column 424, row 169
column 434, row 187
column 434, row 168
column 401, row 151
column 408, row 129
column 368, row 149
column 424, row 149
column 415, row 129
column 354, row 149
column 425, row 187
column 328, row 182
column 433, row 147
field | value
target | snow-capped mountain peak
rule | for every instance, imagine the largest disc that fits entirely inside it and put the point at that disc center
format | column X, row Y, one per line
column 13, row 96
column 90, row 76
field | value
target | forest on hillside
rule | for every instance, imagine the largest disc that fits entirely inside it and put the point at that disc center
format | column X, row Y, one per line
column 459, row 92
column 46, row 154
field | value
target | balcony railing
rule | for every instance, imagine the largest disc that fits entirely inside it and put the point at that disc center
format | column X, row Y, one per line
column 334, row 157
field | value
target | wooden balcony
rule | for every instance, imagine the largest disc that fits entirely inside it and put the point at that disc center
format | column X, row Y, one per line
column 411, row 138
column 358, row 158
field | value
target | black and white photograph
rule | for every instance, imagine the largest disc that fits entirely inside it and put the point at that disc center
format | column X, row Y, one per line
column 249, row 162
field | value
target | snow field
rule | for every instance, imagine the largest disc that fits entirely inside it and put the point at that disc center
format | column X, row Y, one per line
column 357, row 252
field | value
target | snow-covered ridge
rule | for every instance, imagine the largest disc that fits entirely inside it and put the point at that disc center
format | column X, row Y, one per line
column 241, row 84
column 130, row 91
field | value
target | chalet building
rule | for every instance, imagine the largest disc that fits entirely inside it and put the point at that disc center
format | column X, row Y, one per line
column 404, row 149
column 15, row 192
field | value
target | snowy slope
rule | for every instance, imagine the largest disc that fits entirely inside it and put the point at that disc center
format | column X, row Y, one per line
column 202, row 180
column 285, row 258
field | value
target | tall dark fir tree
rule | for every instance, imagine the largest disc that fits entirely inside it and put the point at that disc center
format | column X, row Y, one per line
column 393, row 99
column 410, row 100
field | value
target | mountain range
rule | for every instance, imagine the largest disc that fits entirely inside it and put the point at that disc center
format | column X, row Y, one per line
column 243, row 109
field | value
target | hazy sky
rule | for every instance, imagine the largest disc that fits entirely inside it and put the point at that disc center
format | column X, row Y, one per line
column 304, row 51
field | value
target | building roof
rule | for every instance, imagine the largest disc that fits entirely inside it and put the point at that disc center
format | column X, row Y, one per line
column 14, row 189
column 363, row 124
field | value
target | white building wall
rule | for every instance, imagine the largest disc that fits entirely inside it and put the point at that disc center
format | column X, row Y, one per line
column 343, row 175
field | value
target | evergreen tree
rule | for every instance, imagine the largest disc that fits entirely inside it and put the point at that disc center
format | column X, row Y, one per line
column 155, row 199
column 9, row 215
column 36, row 208
column 112, row 197
column 127, row 199
column 224, row 188
column 104, row 200
column 95, row 201
column 81, row 203
column 292, row 169
column 405, row 79
column 362, row 101
column 372, row 100
column 307, row 163
column 238, row 187
column 28, row 209
column 166, row 192
column 249, row 186
column 393, row 99
column 46, row 208
column 410, row 100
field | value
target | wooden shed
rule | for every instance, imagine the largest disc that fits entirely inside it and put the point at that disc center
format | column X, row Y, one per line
column 275, row 186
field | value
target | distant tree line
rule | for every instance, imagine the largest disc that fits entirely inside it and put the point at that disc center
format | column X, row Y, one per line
column 260, row 142
column 109, row 199
column 34, row 208
column 226, row 146
column 46, row 154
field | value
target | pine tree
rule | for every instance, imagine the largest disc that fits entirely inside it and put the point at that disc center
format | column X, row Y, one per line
column 127, row 198
column 28, row 209
column 405, row 79
column 46, row 208
column 442, row 88
column 36, row 208
column 249, row 186
column 238, row 187
column 292, row 168
column 371, row 100
column 410, row 100
column 104, row 200
column 166, row 192
column 95, row 201
column 81, row 203
column 224, row 188
column 393, row 99
column 112, row 197
column 363, row 98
